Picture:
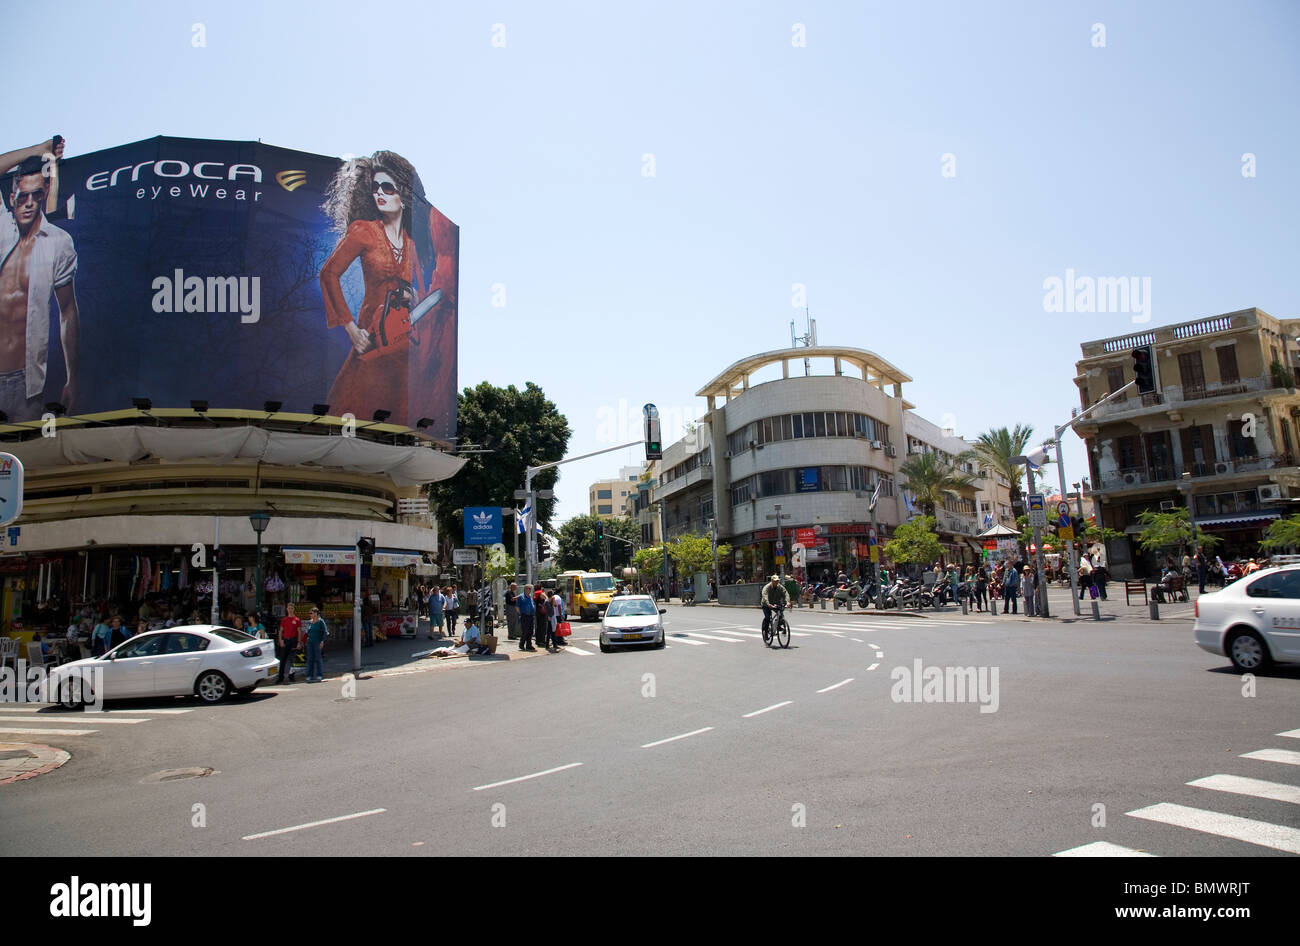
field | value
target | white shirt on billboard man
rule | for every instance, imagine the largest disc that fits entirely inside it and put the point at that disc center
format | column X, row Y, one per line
column 37, row 260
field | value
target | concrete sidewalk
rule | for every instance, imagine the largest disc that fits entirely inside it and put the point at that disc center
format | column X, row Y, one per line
column 398, row 654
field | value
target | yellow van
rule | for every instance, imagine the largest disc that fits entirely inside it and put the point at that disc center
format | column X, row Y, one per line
column 586, row 594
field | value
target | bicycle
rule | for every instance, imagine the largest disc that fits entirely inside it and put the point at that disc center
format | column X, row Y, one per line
column 777, row 627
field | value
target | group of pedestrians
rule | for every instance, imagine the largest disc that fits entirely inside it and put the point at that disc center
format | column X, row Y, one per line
column 534, row 617
column 293, row 636
column 444, row 606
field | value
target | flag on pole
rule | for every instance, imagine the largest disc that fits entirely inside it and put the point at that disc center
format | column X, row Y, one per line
column 911, row 507
column 521, row 518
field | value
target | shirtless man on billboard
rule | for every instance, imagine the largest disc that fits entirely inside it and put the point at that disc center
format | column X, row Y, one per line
column 36, row 259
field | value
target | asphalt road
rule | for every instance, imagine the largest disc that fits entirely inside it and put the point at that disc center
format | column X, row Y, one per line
column 715, row 745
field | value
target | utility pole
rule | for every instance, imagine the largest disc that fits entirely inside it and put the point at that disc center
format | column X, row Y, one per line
column 713, row 535
column 779, row 544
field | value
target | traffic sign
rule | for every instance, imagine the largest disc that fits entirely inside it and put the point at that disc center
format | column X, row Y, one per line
column 464, row 556
column 1037, row 511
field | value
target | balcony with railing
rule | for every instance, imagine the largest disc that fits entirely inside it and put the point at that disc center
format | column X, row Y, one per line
column 1173, row 395
column 1137, row 477
column 955, row 523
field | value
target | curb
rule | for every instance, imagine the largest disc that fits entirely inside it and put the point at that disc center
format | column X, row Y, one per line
column 41, row 759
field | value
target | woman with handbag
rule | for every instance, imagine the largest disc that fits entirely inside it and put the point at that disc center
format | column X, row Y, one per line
column 557, row 605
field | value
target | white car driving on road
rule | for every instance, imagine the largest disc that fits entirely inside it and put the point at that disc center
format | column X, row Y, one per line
column 632, row 619
column 1255, row 621
column 204, row 660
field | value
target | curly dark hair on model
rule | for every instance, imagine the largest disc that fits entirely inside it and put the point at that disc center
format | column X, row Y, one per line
column 350, row 197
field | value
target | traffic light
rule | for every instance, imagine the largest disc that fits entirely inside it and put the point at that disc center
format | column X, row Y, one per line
column 365, row 546
column 543, row 548
column 600, row 528
column 653, row 445
column 1144, row 370
column 221, row 560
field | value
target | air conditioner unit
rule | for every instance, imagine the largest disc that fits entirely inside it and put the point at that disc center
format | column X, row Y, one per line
column 1130, row 479
column 876, row 445
column 1270, row 494
column 1166, row 505
column 1222, row 467
column 890, row 450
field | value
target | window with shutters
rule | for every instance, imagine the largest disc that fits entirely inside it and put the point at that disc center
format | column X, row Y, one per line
column 1115, row 376
column 1192, row 372
column 1228, row 373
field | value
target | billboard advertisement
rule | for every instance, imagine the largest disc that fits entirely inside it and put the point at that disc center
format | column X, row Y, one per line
column 231, row 272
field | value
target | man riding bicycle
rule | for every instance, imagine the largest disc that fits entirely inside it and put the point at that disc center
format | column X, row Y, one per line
column 773, row 596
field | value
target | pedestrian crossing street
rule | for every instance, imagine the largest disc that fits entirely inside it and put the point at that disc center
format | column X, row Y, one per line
column 857, row 631
column 1280, row 835
column 27, row 722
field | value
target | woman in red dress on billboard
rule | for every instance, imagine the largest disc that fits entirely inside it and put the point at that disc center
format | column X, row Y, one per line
column 370, row 203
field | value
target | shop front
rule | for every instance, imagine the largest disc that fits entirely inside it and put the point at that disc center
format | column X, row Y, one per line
column 326, row 578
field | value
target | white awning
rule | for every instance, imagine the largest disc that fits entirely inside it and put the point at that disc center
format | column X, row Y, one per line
column 407, row 466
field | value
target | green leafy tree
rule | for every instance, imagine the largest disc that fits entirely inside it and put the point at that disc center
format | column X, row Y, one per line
column 1282, row 534
column 914, row 542
column 521, row 429
column 933, row 479
column 579, row 546
column 694, row 553
column 1161, row 530
column 995, row 448
column 649, row 562
column 500, row 564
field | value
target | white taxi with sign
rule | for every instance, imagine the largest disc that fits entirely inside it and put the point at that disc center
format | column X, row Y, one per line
column 1255, row 621
column 632, row 619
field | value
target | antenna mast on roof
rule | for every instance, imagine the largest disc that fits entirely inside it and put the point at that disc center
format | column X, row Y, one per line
column 808, row 339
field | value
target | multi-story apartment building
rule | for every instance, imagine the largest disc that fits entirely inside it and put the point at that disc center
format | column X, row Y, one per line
column 609, row 498
column 807, row 433
column 1221, row 427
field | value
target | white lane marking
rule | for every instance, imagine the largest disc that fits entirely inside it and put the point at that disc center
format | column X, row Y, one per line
column 797, row 634
column 573, row 648
column 767, row 709
column 1275, row 836
column 61, row 732
column 742, row 634
column 1250, row 786
column 1293, row 733
column 1285, row 756
column 18, row 708
column 651, row 745
column 879, row 654
column 835, row 686
column 524, row 778
column 710, row 637
column 313, row 824
column 682, row 639
column 855, row 640
column 99, row 720
column 1102, row 849
column 277, row 689
column 873, row 666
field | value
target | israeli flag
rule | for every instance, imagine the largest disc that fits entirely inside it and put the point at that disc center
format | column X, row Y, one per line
column 911, row 508
column 521, row 518
column 1031, row 464
column 988, row 520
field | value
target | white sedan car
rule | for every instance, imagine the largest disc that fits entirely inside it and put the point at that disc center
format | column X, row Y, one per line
column 203, row 660
column 1255, row 621
column 632, row 619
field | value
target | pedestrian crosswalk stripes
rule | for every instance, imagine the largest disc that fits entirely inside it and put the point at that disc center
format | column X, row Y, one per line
column 1102, row 849
column 1279, row 837
column 1293, row 734
column 1261, row 833
column 1285, row 756
column 46, row 731
column 1254, row 787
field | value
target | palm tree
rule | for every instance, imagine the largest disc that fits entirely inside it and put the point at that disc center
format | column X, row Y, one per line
column 995, row 449
column 932, row 479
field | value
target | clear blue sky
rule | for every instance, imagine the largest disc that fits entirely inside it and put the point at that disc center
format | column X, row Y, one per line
column 774, row 165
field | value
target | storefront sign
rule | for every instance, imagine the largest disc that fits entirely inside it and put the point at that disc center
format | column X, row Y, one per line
column 464, row 556
column 482, row 525
column 304, row 556
column 11, row 488
column 394, row 559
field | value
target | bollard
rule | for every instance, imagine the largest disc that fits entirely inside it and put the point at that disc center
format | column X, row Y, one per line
column 823, row 604
column 849, row 603
column 1155, row 610
column 1096, row 611
column 963, row 605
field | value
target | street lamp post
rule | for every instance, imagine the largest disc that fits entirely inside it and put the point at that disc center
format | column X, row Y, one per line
column 259, row 521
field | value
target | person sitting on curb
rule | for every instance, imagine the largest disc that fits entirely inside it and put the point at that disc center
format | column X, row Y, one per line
column 474, row 638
